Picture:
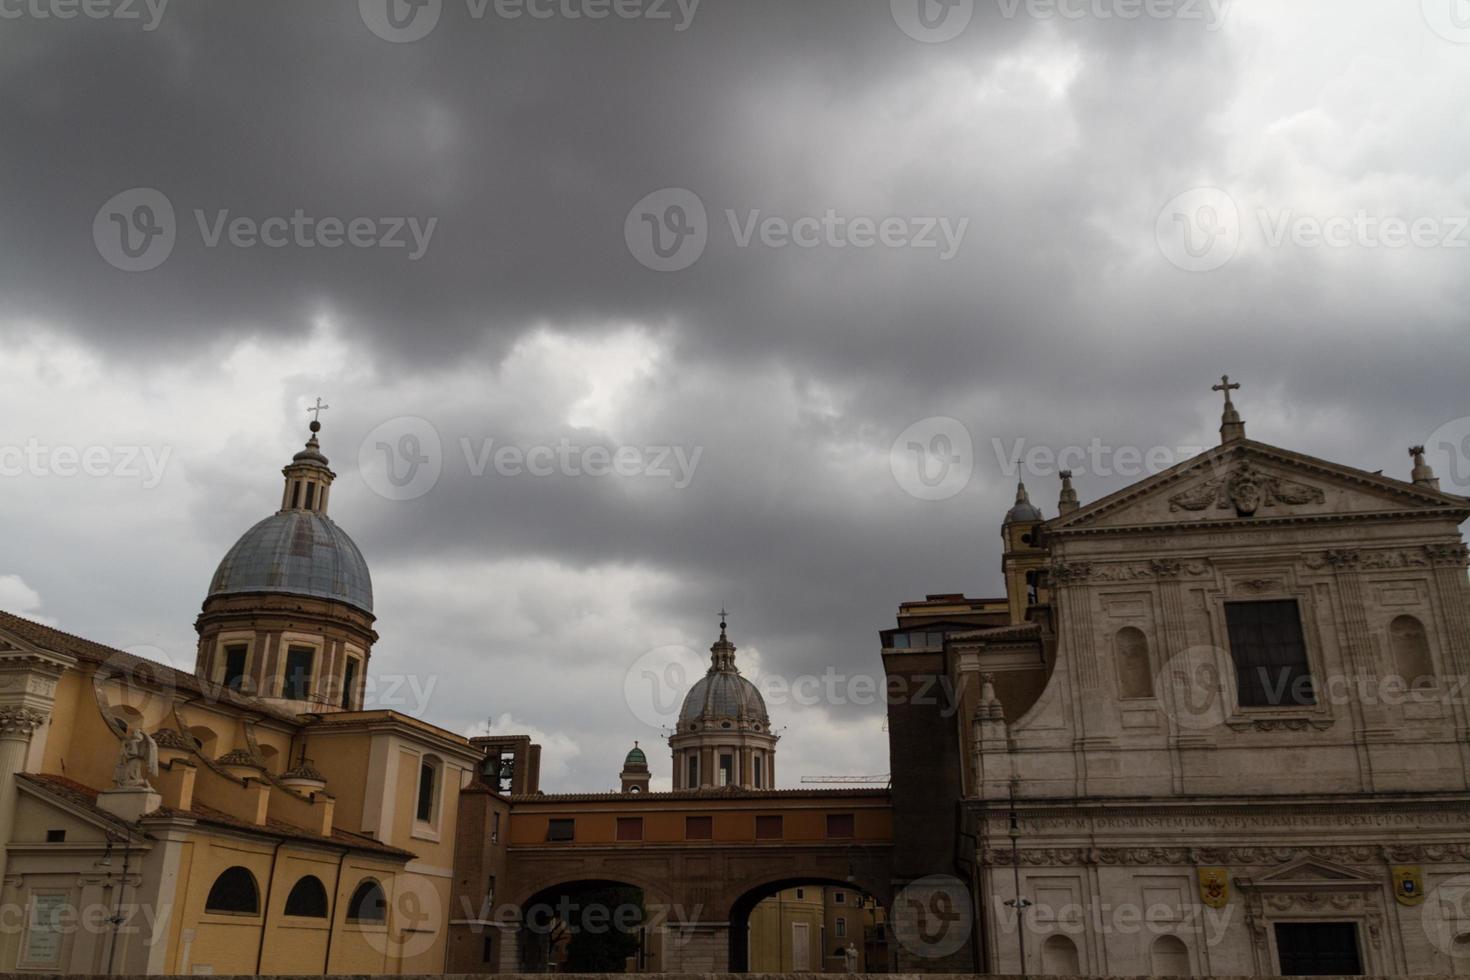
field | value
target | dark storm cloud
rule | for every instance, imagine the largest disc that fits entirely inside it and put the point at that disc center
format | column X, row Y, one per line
column 1059, row 320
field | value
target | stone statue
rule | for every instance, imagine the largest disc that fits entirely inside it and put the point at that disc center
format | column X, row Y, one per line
column 850, row 957
column 137, row 761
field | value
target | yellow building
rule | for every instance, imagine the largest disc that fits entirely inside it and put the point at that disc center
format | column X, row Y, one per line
column 247, row 818
column 807, row 929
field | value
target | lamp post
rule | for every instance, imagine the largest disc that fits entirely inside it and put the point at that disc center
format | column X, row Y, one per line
column 1018, row 903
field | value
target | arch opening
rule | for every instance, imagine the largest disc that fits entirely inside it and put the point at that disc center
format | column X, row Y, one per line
column 809, row 924
column 588, row 926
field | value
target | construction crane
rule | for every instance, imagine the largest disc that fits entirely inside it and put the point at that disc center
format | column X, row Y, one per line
column 850, row 780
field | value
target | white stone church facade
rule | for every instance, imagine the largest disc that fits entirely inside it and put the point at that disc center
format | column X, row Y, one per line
column 1229, row 705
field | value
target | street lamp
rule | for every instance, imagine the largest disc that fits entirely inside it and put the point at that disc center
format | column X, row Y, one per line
column 1018, row 903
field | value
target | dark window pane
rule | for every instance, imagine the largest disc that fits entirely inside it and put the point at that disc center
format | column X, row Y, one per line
column 630, row 828
column 1270, row 654
column 298, row 674
column 699, row 828
column 233, row 891
column 769, row 827
column 561, row 830
column 368, row 903
column 427, row 774
column 349, row 683
column 839, row 825
column 308, row 898
column 234, row 667
column 1314, row 949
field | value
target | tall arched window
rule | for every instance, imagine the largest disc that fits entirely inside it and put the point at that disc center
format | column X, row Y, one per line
column 1059, row 957
column 368, row 903
column 234, row 891
column 1135, row 673
column 308, row 898
column 1169, row 957
column 1410, row 645
column 427, row 808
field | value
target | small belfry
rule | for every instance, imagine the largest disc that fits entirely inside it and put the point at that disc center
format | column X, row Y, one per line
column 289, row 613
column 1023, row 558
column 723, row 736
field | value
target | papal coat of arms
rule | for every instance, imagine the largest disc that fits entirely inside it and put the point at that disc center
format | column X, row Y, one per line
column 1408, row 884
column 1214, row 887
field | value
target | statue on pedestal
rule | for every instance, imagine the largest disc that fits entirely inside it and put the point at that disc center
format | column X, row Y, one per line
column 137, row 761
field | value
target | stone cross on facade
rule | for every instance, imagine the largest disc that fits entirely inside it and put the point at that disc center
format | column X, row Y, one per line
column 1231, row 427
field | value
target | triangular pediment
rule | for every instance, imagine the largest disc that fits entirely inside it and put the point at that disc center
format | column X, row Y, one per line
column 1251, row 481
column 1312, row 871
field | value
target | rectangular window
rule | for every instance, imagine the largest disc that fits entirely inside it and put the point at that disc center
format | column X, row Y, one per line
column 1270, row 654
column 495, row 828
column 757, row 766
column 310, row 495
column 769, row 827
column 840, row 898
column 349, row 684
column 490, row 891
column 693, row 781
column 297, row 684
column 699, row 828
column 727, row 769
column 839, row 825
column 234, row 667
column 630, row 828
column 55, row 836
column 841, row 927
column 427, row 772
column 561, row 829
column 488, row 952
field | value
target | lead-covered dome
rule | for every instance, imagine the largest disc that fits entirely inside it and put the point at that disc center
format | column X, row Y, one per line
column 296, row 552
column 722, row 694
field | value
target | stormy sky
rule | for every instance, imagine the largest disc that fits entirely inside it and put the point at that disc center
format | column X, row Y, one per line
column 628, row 310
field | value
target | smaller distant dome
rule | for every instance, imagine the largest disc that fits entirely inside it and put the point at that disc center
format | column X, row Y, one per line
column 1024, row 510
column 636, row 759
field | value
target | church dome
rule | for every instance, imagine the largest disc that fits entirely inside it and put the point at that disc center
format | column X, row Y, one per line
column 636, row 759
column 1024, row 510
column 296, row 552
column 722, row 694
